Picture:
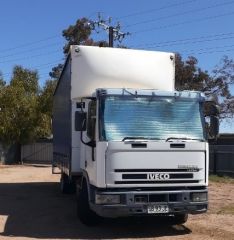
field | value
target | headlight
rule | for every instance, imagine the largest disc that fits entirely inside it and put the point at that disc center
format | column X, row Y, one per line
column 199, row 197
column 107, row 199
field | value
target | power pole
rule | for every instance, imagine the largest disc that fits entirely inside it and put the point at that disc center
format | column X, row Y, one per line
column 114, row 33
column 111, row 36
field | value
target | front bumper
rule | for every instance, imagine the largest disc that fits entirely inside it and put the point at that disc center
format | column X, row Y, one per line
column 136, row 203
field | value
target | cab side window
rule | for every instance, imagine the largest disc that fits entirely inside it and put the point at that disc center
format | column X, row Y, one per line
column 91, row 120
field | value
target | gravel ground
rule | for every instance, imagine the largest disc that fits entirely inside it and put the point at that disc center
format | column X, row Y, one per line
column 32, row 207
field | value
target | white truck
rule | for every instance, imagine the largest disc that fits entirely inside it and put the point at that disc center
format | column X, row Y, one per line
column 125, row 140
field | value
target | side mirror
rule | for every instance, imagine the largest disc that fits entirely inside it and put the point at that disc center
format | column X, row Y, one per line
column 211, row 109
column 214, row 127
column 80, row 121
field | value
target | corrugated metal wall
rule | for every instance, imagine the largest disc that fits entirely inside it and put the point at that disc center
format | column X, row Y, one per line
column 39, row 152
column 2, row 154
column 221, row 156
column 222, row 159
column 7, row 154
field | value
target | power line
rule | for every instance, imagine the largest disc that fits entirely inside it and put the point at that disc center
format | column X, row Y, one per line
column 180, row 14
column 196, row 52
column 160, row 44
column 157, row 9
column 200, row 41
column 41, row 75
column 185, row 22
column 30, row 43
column 217, row 51
column 209, row 48
column 208, row 38
column 30, row 50
column 203, row 49
column 29, row 57
column 34, row 42
column 166, row 43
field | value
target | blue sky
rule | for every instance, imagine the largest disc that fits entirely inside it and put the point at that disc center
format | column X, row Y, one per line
column 31, row 30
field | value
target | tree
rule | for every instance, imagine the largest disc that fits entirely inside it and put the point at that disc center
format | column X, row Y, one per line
column 45, row 100
column 2, row 82
column 56, row 71
column 77, row 34
column 74, row 34
column 46, row 97
column 222, row 80
column 189, row 76
column 28, row 79
column 80, row 34
column 20, row 118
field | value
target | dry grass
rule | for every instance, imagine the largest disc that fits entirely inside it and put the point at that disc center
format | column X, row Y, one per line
column 229, row 209
column 221, row 179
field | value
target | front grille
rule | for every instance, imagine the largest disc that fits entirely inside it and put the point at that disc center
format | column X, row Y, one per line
column 156, row 176
column 161, row 182
column 158, row 170
column 171, row 176
column 161, row 198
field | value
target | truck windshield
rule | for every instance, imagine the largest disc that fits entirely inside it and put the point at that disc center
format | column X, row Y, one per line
column 152, row 118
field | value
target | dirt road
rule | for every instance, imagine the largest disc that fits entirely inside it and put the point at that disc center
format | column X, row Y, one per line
column 32, row 207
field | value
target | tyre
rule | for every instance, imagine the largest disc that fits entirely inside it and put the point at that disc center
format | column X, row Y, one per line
column 180, row 218
column 84, row 213
column 66, row 185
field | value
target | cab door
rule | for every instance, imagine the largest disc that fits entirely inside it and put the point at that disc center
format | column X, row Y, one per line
column 90, row 147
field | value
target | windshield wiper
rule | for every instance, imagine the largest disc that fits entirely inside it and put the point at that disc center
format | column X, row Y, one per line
column 139, row 138
column 182, row 138
column 133, row 138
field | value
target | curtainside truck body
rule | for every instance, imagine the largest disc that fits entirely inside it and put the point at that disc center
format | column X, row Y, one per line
column 125, row 140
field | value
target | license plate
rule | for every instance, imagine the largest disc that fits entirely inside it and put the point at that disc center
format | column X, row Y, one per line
column 158, row 209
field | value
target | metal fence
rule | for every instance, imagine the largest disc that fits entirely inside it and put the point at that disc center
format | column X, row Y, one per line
column 222, row 159
column 39, row 152
column 2, row 154
column 7, row 154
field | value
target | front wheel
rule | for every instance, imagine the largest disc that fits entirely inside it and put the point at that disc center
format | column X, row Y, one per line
column 180, row 218
column 84, row 213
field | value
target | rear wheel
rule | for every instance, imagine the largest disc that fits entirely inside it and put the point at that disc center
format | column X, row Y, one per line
column 66, row 185
column 84, row 213
column 180, row 218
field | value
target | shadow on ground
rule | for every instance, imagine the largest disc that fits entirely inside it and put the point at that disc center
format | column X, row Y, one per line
column 39, row 210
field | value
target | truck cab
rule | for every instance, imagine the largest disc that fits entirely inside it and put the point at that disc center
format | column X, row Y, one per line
column 144, row 151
